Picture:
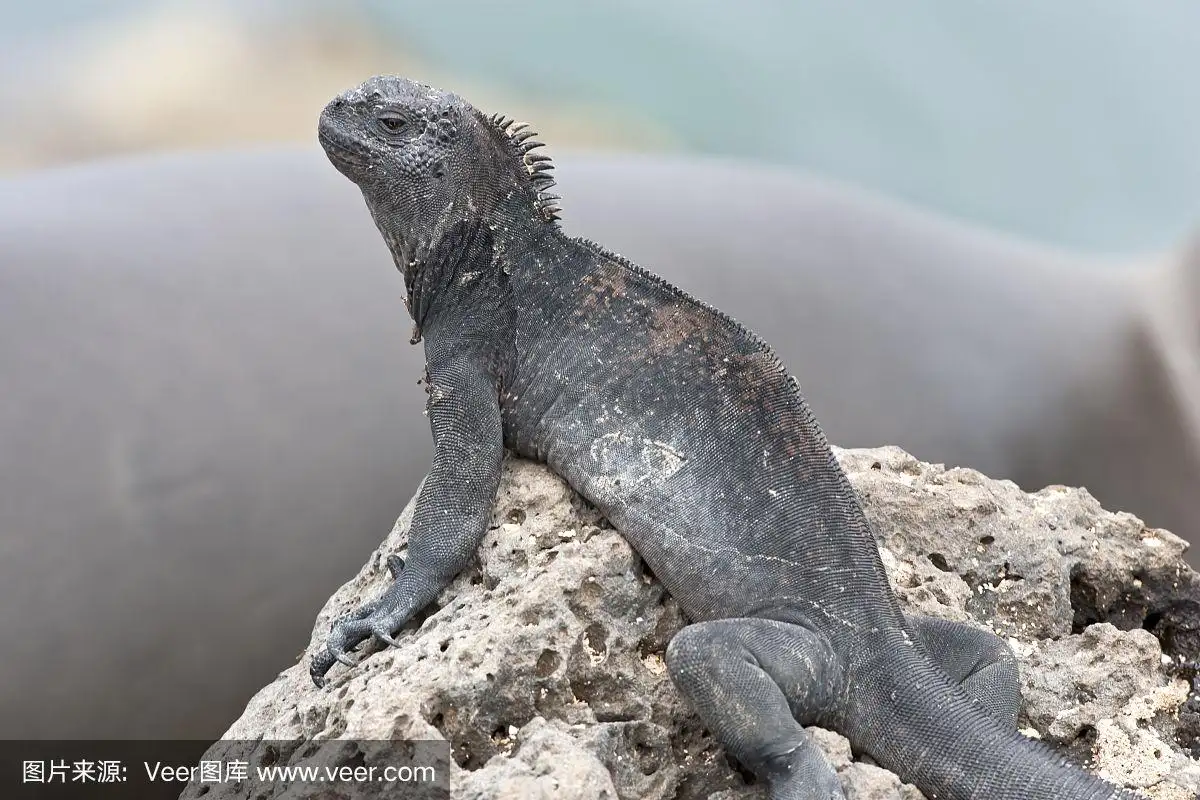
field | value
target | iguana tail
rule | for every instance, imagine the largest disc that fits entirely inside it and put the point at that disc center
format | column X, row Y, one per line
column 914, row 721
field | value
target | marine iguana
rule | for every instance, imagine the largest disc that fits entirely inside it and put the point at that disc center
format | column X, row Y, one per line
column 688, row 433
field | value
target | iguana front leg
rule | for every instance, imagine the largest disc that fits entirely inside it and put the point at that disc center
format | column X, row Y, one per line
column 453, row 509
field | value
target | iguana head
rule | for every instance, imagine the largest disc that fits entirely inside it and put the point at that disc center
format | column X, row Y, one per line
column 425, row 159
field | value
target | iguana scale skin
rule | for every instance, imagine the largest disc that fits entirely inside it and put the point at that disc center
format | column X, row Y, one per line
column 686, row 431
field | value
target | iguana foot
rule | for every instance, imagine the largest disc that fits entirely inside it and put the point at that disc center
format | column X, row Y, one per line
column 380, row 619
column 978, row 660
column 755, row 683
column 803, row 775
column 371, row 621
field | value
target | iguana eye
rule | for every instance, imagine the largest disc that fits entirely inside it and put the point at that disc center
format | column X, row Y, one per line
column 390, row 121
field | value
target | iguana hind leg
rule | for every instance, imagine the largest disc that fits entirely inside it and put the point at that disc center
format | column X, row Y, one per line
column 976, row 659
column 754, row 682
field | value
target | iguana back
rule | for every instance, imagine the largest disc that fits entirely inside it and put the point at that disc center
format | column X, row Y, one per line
column 688, row 433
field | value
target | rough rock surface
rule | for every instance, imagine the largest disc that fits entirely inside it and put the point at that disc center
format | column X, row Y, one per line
column 543, row 665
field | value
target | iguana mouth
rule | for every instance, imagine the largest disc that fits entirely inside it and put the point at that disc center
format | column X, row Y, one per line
column 341, row 149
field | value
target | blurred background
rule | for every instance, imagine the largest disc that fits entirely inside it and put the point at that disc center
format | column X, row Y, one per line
column 1074, row 122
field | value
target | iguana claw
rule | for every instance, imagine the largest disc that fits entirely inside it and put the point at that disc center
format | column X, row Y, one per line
column 386, row 638
column 371, row 620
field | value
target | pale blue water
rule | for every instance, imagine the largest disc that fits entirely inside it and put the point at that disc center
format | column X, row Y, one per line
column 1072, row 121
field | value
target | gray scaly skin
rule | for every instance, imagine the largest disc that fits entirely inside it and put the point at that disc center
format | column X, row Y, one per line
column 686, row 431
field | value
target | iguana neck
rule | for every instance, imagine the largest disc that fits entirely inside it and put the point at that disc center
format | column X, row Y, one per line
column 465, row 252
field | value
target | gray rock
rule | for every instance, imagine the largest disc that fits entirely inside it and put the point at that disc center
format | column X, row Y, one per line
column 543, row 664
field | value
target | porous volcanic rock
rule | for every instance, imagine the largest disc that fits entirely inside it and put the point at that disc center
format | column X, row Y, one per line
column 543, row 663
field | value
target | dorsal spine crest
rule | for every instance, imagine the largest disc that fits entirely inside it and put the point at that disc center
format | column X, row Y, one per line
column 538, row 166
